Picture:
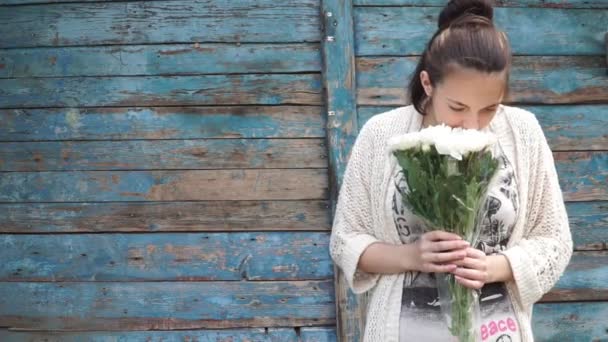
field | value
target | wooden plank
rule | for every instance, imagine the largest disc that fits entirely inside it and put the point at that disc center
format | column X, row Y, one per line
column 318, row 334
column 144, row 22
column 566, row 127
column 570, row 322
column 210, row 335
column 589, row 225
column 583, row 175
column 165, row 154
column 307, row 215
column 339, row 80
column 178, row 59
column 166, row 305
column 532, row 31
column 162, row 123
column 383, row 81
column 585, row 279
column 109, row 186
column 165, row 256
column 497, row 3
column 161, row 90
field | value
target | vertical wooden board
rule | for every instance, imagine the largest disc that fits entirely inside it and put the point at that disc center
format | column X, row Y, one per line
column 224, row 335
column 169, row 256
column 162, row 123
column 144, row 22
column 178, row 59
column 339, row 80
column 570, row 322
column 165, row 305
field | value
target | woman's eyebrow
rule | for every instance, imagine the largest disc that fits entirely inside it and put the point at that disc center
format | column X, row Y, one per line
column 462, row 104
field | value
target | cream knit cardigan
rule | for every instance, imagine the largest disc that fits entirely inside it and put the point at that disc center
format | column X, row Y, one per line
column 539, row 248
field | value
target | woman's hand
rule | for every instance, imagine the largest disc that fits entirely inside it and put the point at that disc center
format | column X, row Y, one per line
column 472, row 271
column 438, row 251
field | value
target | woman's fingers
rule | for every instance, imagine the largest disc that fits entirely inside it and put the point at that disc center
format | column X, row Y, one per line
column 470, row 274
column 472, row 284
column 449, row 245
column 441, row 268
column 438, row 235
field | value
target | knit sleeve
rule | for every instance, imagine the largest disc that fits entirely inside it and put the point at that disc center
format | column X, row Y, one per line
column 352, row 224
column 542, row 255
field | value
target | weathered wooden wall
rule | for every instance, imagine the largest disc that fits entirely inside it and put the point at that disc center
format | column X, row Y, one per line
column 163, row 166
column 560, row 74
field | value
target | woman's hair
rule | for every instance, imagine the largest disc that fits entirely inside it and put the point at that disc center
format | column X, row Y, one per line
column 466, row 37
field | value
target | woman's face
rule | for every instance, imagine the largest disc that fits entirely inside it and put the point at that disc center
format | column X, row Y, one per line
column 465, row 98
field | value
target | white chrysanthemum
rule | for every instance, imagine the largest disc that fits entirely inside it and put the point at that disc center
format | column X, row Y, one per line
column 455, row 142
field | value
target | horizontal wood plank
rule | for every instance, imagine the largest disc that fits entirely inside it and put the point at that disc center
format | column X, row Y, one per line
column 589, row 224
column 383, row 81
column 567, row 128
column 166, row 305
column 144, row 22
column 583, row 175
column 306, row 334
column 531, row 31
column 178, row 59
column 163, row 154
column 585, row 279
column 271, row 89
column 497, row 3
column 108, row 186
column 570, row 4
column 162, row 123
column 307, row 215
column 205, row 335
column 570, row 322
column 165, row 256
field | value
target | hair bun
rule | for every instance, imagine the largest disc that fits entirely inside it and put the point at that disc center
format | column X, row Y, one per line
column 457, row 8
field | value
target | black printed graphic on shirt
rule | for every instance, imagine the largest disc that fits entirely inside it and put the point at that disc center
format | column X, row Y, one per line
column 421, row 314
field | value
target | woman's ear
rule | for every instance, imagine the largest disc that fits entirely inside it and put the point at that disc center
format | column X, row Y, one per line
column 425, row 80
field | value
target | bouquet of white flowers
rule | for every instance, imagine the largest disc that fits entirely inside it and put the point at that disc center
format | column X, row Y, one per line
column 448, row 171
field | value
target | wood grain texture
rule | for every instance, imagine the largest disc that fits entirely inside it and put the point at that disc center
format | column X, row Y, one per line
column 109, row 186
column 568, row 128
column 174, row 59
column 140, row 22
column 303, row 334
column 583, row 176
column 220, row 257
column 263, row 89
column 307, row 215
column 570, row 4
column 163, row 154
column 585, row 279
column 531, row 31
column 162, row 123
column 339, row 80
column 589, row 225
column 165, row 305
column 165, row 256
column 383, row 81
column 570, row 322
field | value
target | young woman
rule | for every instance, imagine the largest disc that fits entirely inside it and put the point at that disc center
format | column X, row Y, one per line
column 525, row 245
